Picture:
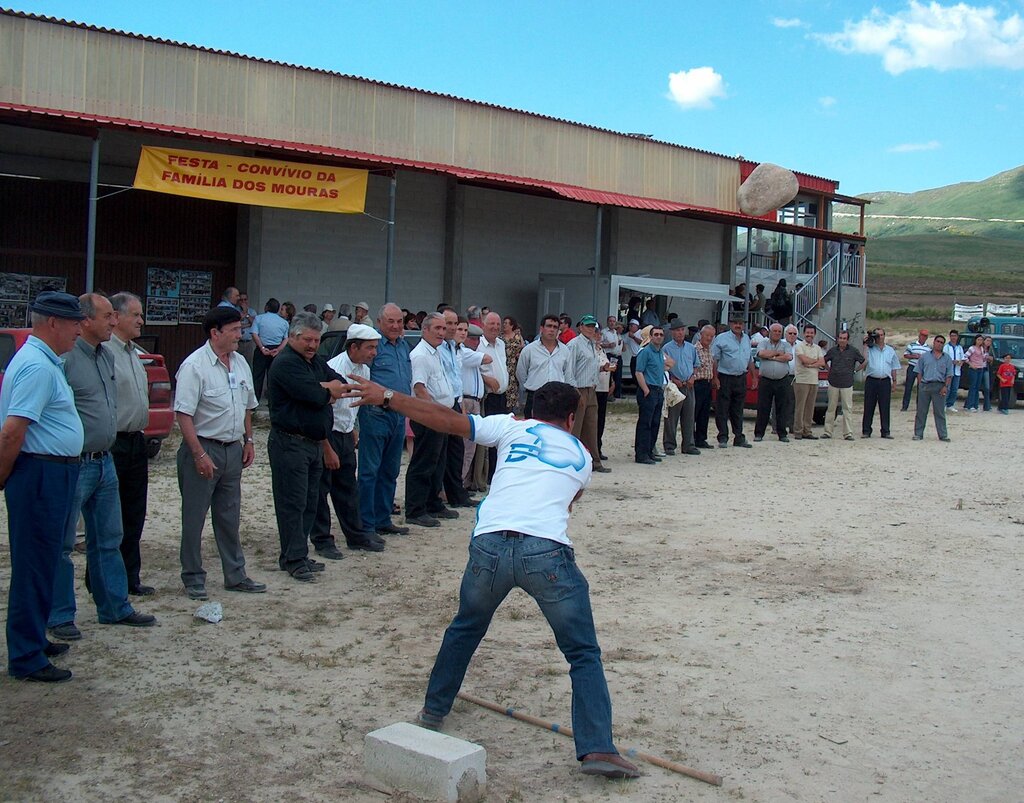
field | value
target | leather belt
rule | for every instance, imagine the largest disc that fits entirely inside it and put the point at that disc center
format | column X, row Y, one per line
column 473, row 398
column 54, row 458
column 295, row 435
column 219, row 443
column 94, row 455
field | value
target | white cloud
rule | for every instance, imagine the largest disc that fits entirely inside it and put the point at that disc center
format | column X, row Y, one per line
column 935, row 36
column 827, row 102
column 913, row 147
column 792, row 22
column 696, row 88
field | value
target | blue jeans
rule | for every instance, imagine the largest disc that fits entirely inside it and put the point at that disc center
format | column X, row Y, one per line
column 39, row 495
column 546, row 570
column 972, row 389
column 97, row 498
column 954, row 386
column 648, row 421
column 986, row 390
column 381, row 437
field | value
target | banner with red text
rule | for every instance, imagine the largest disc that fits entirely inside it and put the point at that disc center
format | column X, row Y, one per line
column 248, row 180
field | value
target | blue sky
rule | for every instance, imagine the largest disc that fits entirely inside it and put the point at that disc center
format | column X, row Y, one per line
column 881, row 96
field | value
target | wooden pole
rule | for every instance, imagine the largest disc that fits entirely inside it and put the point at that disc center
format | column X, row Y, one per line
column 664, row 763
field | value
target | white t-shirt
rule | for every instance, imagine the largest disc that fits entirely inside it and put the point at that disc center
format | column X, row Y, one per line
column 344, row 413
column 540, row 470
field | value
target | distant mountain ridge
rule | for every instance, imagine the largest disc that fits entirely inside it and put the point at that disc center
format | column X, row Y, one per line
column 992, row 208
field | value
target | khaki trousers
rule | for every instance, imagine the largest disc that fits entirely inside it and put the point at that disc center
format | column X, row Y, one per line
column 844, row 397
column 585, row 426
column 804, row 413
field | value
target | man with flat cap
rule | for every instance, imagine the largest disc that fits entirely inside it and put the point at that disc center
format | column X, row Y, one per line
column 40, row 450
column 732, row 358
column 338, row 487
column 684, row 360
column 213, row 404
column 581, row 372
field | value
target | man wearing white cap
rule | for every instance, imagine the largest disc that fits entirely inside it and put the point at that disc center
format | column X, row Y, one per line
column 339, row 485
column 362, row 310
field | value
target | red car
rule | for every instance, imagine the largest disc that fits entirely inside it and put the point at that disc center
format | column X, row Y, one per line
column 161, row 416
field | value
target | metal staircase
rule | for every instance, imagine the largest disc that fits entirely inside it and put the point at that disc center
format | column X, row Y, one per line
column 809, row 299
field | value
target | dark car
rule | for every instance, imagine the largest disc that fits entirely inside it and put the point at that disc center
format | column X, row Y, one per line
column 1001, row 344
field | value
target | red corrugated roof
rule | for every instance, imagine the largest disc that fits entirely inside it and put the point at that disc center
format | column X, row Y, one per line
column 567, row 191
column 232, row 54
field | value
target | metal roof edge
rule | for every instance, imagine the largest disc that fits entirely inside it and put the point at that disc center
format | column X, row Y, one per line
column 9, row 12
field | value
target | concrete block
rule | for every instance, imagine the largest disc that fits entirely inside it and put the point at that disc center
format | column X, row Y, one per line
column 429, row 765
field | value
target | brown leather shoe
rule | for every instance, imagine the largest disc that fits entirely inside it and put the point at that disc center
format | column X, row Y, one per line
column 608, row 765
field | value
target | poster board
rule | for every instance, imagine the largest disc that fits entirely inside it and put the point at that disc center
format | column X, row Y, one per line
column 17, row 290
column 177, row 296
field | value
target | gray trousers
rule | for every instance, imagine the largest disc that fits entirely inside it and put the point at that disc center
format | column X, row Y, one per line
column 928, row 395
column 680, row 415
column 247, row 348
column 222, row 493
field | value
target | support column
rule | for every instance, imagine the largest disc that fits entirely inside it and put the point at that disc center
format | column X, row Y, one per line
column 598, row 225
column 454, row 217
column 389, row 259
column 90, row 244
column 839, row 289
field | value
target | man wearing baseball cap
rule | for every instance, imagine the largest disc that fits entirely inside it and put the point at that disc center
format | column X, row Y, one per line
column 40, row 449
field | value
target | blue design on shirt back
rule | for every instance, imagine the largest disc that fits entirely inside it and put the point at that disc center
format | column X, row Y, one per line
column 548, row 451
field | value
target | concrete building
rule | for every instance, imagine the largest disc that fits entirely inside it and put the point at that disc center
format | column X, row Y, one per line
column 484, row 199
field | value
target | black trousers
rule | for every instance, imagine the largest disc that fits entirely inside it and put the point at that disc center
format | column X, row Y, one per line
column 425, row 476
column 602, row 415
column 455, row 450
column 295, row 467
column 701, row 409
column 260, row 369
column 777, row 392
column 648, row 421
column 528, row 409
column 908, row 385
column 132, row 468
column 877, row 393
column 729, row 405
column 494, row 404
column 339, row 489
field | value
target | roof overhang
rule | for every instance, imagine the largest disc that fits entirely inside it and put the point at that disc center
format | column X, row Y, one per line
column 89, row 124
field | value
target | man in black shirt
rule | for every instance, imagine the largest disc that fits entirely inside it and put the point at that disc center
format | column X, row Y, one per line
column 843, row 361
column 301, row 389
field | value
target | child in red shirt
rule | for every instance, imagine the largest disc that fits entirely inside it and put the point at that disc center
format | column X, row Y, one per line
column 1006, row 372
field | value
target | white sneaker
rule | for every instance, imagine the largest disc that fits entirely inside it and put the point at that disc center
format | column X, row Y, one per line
column 952, row 410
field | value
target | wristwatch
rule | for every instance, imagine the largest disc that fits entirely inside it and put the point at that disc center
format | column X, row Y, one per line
column 386, row 404
column 249, row 440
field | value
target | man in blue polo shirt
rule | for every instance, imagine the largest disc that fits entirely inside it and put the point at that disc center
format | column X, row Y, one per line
column 650, row 396
column 732, row 358
column 269, row 332
column 40, row 448
column 382, row 432
column 684, row 360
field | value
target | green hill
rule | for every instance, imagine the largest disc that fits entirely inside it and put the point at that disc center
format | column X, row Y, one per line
column 992, row 209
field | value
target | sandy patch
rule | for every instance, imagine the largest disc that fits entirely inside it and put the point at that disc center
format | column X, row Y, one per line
column 857, row 637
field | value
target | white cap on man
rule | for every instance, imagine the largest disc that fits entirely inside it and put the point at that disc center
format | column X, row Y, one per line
column 360, row 331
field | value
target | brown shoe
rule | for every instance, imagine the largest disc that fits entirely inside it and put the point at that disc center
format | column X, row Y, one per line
column 608, row 765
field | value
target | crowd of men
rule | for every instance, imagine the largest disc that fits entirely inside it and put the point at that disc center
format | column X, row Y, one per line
column 72, row 428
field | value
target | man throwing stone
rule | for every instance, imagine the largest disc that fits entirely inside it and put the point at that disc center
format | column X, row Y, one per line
column 525, row 546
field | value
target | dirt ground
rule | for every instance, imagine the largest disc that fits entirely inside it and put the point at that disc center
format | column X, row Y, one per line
column 822, row 620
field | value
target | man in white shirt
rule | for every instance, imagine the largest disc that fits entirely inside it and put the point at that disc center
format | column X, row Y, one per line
column 611, row 345
column 425, row 476
column 957, row 355
column 213, row 400
column 913, row 352
column 495, row 402
column 474, row 386
column 526, row 546
column 338, row 487
column 542, row 360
